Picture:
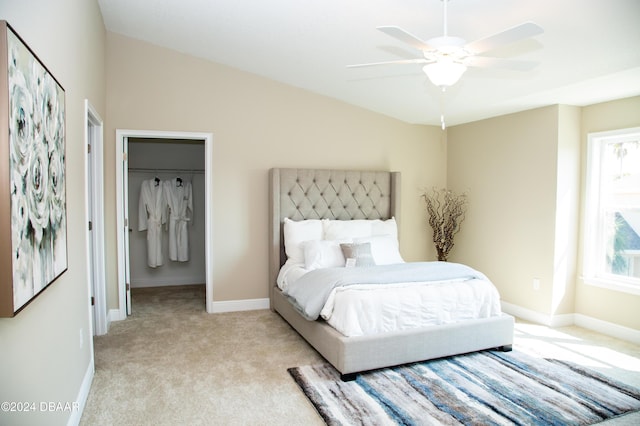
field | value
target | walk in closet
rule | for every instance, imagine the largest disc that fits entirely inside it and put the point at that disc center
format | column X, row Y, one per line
column 166, row 164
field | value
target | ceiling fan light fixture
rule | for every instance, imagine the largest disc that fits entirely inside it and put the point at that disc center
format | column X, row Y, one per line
column 444, row 73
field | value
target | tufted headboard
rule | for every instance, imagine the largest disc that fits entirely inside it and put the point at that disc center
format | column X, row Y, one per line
column 327, row 194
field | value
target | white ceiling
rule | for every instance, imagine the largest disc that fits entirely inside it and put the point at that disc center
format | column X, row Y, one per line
column 589, row 51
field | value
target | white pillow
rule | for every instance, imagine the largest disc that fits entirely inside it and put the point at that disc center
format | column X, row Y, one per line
column 384, row 249
column 296, row 232
column 341, row 229
column 323, row 254
column 385, row 227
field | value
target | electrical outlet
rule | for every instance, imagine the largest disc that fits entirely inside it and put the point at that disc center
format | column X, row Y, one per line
column 536, row 284
column 81, row 338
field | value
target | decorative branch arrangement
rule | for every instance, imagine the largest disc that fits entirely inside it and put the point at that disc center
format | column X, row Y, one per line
column 446, row 211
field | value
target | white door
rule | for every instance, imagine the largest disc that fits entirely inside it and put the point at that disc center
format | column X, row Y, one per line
column 122, row 207
column 95, row 220
column 127, row 230
column 91, row 243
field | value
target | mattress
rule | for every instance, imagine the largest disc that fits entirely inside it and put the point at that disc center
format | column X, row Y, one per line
column 363, row 309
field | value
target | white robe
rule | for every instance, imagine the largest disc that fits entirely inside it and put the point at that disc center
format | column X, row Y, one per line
column 180, row 200
column 152, row 214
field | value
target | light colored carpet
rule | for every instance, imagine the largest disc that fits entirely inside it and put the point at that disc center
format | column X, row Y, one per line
column 171, row 363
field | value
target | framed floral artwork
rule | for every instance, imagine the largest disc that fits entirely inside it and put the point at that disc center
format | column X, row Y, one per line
column 33, row 216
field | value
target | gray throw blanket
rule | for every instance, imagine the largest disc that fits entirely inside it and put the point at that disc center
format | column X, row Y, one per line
column 309, row 293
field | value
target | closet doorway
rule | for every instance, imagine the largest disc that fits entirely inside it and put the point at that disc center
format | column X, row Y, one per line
column 177, row 158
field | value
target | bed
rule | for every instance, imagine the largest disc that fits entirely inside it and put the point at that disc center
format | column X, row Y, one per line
column 331, row 196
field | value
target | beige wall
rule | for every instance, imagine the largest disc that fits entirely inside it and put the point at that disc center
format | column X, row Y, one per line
column 524, row 174
column 258, row 124
column 40, row 354
column 508, row 165
column 595, row 302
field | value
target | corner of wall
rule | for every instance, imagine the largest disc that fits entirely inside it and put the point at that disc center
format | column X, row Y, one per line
column 567, row 210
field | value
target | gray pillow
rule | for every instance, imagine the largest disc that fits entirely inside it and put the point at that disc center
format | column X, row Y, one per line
column 357, row 254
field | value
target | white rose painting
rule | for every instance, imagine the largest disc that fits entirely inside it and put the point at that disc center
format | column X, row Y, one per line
column 36, row 126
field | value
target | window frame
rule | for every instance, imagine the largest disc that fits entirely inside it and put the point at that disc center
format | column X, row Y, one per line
column 593, row 272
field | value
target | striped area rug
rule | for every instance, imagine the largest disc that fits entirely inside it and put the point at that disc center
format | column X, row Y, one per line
column 483, row 388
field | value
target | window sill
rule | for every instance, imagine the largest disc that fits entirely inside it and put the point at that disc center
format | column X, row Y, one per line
column 614, row 285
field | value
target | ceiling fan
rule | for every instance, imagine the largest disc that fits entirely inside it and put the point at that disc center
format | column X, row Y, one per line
column 447, row 58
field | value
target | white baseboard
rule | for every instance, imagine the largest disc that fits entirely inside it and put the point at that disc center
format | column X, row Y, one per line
column 610, row 329
column 217, row 307
column 116, row 315
column 166, row 282
column 239, row 305
column 604, row 327
column 537, row 317
column 83, row 395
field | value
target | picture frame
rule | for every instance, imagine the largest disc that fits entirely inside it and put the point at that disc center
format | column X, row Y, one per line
column 33, row 211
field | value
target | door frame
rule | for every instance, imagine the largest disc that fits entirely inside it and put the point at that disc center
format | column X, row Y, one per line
column 122, row 136
column 94, row 212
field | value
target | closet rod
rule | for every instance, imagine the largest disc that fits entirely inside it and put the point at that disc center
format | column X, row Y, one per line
column 187, row 171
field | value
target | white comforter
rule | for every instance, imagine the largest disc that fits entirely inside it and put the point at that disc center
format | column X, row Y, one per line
column 365, row 309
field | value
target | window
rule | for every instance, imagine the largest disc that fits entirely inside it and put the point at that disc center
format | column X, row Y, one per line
column 612, row 227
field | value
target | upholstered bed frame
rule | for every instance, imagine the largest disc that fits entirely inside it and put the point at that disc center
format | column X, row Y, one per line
column 346, row 195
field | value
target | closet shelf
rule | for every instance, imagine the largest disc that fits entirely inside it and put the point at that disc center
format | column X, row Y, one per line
column 177, row 171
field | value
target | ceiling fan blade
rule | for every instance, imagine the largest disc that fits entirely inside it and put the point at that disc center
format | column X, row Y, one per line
column 503, row 38
column 402, row 35
column 399, row 61
column 486, row 62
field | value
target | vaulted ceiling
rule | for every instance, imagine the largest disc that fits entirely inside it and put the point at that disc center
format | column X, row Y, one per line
column 589, row 51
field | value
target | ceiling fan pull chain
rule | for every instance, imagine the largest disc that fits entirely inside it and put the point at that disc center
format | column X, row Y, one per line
column 442, row 104
column 444, row 17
